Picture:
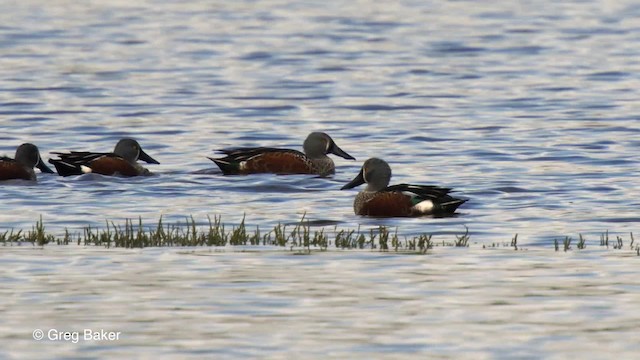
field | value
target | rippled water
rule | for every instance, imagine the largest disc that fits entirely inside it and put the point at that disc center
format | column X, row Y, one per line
column 192, row 303
column 529, row 109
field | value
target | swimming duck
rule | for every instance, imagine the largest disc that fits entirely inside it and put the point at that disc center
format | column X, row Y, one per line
column 380, row 199
column 122, row 161
column 314, row 160
column 21, row 167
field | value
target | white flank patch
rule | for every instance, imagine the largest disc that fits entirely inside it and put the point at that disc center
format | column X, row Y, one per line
column 85, row 169
column 243, row 165
column 425, row 206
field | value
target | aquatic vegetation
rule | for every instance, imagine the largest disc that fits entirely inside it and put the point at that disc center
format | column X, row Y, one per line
column 582, row 242
column 513, row 243
column 300, row 237
column 604, row 239
column 36, row 235
column 9, row 237
column 567, row 243
column 135, row 234
column 619, row 244
column 463, row 240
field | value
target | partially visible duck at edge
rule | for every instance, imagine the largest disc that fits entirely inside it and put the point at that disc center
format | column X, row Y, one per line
column 402, row 200
column 256, row 160
column 122, row 161
column 21, row 167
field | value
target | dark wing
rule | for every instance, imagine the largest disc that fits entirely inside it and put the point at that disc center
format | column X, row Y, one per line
column 81, row 157
column 242, row 154
column 443, row 203
column 431, row 192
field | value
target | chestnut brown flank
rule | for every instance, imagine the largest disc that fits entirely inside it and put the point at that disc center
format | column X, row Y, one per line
column 12, row 170
column 108, row 165
column 279, row 163
column 389, row 204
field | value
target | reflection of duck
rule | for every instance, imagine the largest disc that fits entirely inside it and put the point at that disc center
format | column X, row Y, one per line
column 122, row 161
column 284, row 161
column 21, row 167
column 379, row 199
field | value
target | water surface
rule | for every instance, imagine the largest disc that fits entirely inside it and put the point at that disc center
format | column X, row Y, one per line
column 454, row 303
column 530, row 110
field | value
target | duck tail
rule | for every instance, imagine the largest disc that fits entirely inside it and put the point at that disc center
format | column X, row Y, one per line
column 66, row 169
column 451, row 205
column 227, row 167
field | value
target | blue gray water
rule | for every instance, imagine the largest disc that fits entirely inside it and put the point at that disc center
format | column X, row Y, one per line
column 195, row 303
column 529, row 109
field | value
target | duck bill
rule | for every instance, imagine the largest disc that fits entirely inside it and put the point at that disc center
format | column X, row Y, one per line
column 146, row 158
column 357, row 181
column 43, row 167
column 335, row 149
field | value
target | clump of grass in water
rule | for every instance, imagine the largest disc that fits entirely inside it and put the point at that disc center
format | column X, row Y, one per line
column 604, row 239
column 424, row 243
column 238, row 234
column 66, row 240
column 421, row 243
column 9, row 237
column 383, row 238
column 619, row 244
column 351, row 239
column 567, row 243
column 637, row 248
column 38, row 236
column 463, row 240
column 582, row 242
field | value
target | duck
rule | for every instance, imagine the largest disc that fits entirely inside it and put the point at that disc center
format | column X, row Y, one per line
column 257, row 160
column 122, row 161
column 379, row 199
column 21, row 166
